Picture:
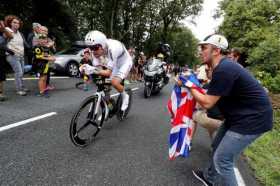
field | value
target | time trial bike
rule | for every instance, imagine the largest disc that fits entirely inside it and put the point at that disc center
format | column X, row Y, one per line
column 94, row 110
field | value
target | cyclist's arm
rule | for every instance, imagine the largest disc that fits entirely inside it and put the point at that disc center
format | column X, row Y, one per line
column 106, row 73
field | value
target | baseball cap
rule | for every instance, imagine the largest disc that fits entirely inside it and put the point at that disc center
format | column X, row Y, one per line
column 216, row 40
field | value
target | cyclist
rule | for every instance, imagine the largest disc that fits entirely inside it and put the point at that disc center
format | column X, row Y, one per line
column 119, row 62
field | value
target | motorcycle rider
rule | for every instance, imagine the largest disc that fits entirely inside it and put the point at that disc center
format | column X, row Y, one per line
column 165, row 50
column 161, row 57
column 119, row 61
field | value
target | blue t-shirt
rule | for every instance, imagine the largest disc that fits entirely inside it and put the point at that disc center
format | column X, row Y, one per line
column 244, row 102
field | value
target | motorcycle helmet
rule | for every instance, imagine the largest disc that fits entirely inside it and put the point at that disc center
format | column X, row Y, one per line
column 165, row 49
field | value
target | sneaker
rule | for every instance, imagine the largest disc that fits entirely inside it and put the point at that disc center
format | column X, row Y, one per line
column 50, row 87
column 125, row 101
column 44, row 94
column 86, row 88
column 21, row 93
column 199, row 175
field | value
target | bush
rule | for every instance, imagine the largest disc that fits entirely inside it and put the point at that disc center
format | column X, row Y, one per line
column 275, row 84
column 272, row 83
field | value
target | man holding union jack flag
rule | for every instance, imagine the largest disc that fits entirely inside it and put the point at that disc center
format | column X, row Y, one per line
column 244, row 104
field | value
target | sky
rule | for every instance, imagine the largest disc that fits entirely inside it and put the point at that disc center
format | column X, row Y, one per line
column 205, row 23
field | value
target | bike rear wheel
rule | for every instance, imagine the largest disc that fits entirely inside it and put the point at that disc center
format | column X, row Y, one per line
column 85, row 125
column 121, row 115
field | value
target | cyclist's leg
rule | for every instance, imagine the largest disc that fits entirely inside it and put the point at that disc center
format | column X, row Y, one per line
column 118, row 75
column 116, row 83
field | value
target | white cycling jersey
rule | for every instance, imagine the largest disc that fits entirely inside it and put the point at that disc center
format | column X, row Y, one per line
column 117, row 58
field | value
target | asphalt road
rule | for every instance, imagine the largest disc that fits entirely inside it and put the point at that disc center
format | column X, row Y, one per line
column 131, row 152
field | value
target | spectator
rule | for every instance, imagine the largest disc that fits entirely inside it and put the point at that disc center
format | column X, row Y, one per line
column 35, row 33
column 3, row 49
column 234, row 54
column 243, row 103
column 133, row 72
column 141, row 63
column 176, row 69
column 42, row 57
column 210, row 119
column 131, row 52
column 86, row 60
column 51, row 45
column 16, row 44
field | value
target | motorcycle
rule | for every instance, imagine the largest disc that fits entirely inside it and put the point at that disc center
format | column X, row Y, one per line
column 154, row 77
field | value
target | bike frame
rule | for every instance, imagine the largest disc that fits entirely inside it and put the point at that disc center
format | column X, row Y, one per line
column 100, row 97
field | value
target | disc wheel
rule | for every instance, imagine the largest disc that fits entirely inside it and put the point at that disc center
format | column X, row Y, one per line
column 85, row 125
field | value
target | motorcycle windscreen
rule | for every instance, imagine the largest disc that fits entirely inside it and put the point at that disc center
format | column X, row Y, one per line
column 153, row 64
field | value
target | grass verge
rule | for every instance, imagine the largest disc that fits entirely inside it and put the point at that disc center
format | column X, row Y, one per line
column 264, row 155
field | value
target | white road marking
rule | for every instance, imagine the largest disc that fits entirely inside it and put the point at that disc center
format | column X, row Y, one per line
column 239, row 178
column 7, row 127
column 34, row 78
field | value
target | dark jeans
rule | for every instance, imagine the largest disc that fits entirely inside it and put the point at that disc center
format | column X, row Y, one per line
column 227, row 145
column 2, row 68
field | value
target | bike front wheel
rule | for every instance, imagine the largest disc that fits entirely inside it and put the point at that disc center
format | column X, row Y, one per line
column 86, row 124
column 121, row 115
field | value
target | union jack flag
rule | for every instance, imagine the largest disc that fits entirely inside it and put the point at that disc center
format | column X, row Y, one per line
column 181, row 106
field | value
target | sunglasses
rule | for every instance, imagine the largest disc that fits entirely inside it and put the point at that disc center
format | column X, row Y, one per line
column 95, row 47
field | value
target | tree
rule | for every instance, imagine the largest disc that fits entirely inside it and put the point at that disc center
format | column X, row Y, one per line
column 183, row 46
column 52, row 14
column 131, row 21
column 254, row 27
column 173, row 11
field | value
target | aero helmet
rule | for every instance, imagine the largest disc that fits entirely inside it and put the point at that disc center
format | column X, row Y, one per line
column 96, row 37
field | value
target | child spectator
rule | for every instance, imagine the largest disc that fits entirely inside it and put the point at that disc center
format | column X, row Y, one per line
column 86, row 60
column 42, row 57
column 51, row 45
